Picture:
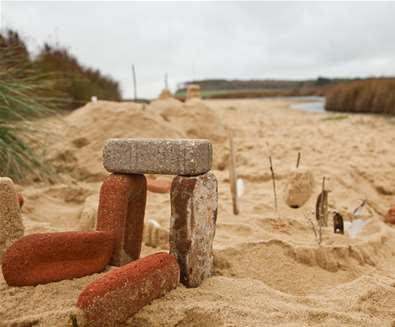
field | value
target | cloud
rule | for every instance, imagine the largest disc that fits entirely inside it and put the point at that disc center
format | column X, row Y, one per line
column 214, row 39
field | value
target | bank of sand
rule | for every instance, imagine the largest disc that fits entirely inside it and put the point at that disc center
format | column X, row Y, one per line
column 269, row 269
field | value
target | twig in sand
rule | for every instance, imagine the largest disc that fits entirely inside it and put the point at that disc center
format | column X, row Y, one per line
column 233, row 174
column 298, row 160
column 356, row 210
column 321, row 208
column 73, row 320
column 318, row 235
column 274, row 183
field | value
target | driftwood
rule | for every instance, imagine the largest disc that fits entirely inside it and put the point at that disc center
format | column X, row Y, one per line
column 338, row 223
column 274, row 183
column 321, row 207
column 233, row 174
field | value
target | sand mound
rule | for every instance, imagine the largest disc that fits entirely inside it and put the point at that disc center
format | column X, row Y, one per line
column 79, row 152
column 269, row 268
column 299, row 187
column 165, row 94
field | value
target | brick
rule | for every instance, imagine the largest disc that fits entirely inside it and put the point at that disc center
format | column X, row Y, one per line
column 158, row 185
column 194, row 202
column 123, row 291
column 121, row 211
column 11, row 225
column 158, row 156
column 50, row 257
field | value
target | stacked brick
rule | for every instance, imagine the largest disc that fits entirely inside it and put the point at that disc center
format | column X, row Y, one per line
column 43, row 258
column 194, row 198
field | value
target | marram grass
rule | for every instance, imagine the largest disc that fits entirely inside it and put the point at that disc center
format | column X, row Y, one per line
column 24, row 95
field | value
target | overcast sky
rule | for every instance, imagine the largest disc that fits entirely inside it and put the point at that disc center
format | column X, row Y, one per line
column 196, row 40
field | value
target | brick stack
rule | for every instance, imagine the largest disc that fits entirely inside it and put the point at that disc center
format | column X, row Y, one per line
column 194, row 198
column 48, row 257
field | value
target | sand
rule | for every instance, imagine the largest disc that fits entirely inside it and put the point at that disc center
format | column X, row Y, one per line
column 269, row 269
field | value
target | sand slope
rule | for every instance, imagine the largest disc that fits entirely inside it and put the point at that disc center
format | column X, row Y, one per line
column 269, row 269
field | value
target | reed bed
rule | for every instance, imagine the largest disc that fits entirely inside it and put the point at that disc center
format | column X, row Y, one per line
column 364, row 96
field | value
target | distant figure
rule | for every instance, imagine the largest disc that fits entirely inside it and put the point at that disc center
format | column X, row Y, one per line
column 193, row 91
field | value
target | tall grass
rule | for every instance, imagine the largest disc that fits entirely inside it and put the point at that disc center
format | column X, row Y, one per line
column 365, row 96
column 23, row 97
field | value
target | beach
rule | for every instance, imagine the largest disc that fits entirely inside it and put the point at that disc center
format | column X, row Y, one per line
column 269, row 269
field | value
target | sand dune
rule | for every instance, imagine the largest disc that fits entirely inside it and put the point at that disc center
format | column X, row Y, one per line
column 269, row 269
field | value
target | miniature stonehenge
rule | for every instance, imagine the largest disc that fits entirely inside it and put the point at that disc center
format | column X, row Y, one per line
column 48, row 257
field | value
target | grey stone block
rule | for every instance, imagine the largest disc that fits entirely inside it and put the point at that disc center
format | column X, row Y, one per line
column 187, row 157
column 194, row 203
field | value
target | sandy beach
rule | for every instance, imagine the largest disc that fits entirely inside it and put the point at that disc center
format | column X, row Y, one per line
column 269, row 268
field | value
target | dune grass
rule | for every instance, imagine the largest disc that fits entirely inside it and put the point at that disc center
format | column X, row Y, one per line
column 24, row 96
column 365, row 96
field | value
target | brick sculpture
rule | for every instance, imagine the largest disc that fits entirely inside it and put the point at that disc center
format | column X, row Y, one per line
column 121, row 211
column 157, row 156
column 122, row 292
column 192, row 225
column 193, row 194
column 50, row 257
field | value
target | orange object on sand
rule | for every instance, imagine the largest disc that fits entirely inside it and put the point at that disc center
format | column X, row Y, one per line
column 158, row 185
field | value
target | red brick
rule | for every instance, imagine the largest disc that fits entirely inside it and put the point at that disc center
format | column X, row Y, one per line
column 123, row 291
column 50, row 257
column 121, row 211
column 194, row 203
column 158, row 185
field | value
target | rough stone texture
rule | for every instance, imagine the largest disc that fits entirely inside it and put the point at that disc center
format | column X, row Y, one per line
column 122, row 292
column 194, row 202
column 389, row 217
column 50, row 257
column 158, row 156
column 11, row 225
column 121, row 211
column 299, row 187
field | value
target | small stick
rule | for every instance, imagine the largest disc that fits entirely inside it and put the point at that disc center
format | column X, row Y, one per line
column 298, row 160
column 318, row 236
column 73, row 320
column 233, row 174
column 356, row 210
column 274, row 183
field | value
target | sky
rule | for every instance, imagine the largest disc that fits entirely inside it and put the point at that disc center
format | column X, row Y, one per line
column 199, row 40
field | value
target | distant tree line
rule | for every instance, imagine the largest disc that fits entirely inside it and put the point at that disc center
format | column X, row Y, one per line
column 75, row 84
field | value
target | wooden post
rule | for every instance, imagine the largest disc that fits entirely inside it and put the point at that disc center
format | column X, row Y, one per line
column 166, row 82
column 134, row 82
column 298, row 160
column 233, row 174
column 274, row 183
